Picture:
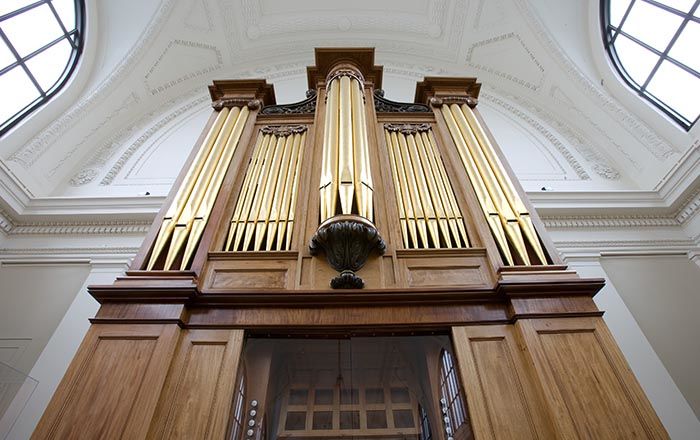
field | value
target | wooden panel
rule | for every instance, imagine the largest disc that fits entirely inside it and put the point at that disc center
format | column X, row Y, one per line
column 442, row 268
column 112, row 385
column 435, row 274
column 249, row 278
column 251, row 274
column 199, row 389
column 502, row 399
column 591, row 391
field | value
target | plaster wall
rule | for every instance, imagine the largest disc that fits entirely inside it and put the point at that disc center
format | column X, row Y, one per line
column 663, row 294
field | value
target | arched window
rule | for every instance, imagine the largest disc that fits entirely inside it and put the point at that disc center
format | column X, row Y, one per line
column 451, row 402
column 40, row 42
column 654, row 46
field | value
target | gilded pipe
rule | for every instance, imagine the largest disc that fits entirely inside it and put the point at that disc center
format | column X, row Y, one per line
column 206, row 204
column 329, row 167
column 295, row 186
column 245, row 189
column 508, row 217
column 406, row 194
column 363, row 176
column 184, row 221
column 346, row 156
column 265, row 202
column 414, row 191
column 511, row 194
column 253, row 190
column 397, row 189
column 493, row 217
column 456, row 222
column 278, row 192
column 264, row 176
column 424, row 191
column 178, row 203
column 436, row 195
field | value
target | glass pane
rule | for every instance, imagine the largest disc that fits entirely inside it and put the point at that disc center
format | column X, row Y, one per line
column 49, row 65
column 66, row 10
column 403, row 418
column 7, row 6
column 348, row 397
column 685, row 49
column 6, row 57
column 323, row 397
column 376, row 419
column 349, row 419
column 31, row 30
column 296, row 421
column 374, row 395
column 323, row 420
column 635, row 59
column 298, row 397
column 678, row 89
column 400, row 395
column 617, row 11
column 17, row 91
column 681, row 5
column 651, row 24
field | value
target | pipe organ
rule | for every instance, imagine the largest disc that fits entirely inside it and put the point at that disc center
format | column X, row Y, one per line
column 348, row 266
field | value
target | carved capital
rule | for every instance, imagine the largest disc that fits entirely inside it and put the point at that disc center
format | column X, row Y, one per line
column 347, row 241
column 231, row 102
column 459, row 100
column 283, row 130
column 408, row 128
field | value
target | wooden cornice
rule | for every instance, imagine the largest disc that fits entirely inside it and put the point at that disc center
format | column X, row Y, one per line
column 244, row 89
column 446, row 88
column 329, row 57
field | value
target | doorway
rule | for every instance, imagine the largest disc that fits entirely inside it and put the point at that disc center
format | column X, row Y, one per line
column 403, row 387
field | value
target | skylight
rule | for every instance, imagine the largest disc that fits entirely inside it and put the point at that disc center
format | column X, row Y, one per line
column 40, row 42
column 654, row 46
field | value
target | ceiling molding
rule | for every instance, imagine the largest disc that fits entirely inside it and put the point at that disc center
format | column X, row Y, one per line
column 38, row 145
column 652, row 141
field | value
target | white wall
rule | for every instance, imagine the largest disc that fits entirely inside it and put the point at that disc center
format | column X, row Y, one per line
column 663, row 294
column 34, row 298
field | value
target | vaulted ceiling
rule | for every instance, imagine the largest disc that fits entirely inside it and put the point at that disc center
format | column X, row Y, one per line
column 138, row 101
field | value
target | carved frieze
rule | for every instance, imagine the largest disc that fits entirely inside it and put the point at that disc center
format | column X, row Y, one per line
column 283, row 130
column 408, row 128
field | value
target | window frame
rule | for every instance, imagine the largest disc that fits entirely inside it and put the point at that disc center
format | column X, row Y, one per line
column 609, row 34
column 75, row 37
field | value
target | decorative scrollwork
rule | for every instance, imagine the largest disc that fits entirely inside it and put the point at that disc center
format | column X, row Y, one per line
column 346, row 72
column 408, row 128
column 302, row 107
column 383, row 105
column 283, row 130
column 347, row 241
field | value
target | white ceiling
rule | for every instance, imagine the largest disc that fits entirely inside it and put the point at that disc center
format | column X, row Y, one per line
column 127, row 120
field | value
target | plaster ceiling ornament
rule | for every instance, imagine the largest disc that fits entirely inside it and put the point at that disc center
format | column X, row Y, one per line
column 487, row 55
column 410, row 41
column 544, row 131
column 581, row 143
column 38, row 145
column 167, row 70
column 200, row 101
column 658, row 146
